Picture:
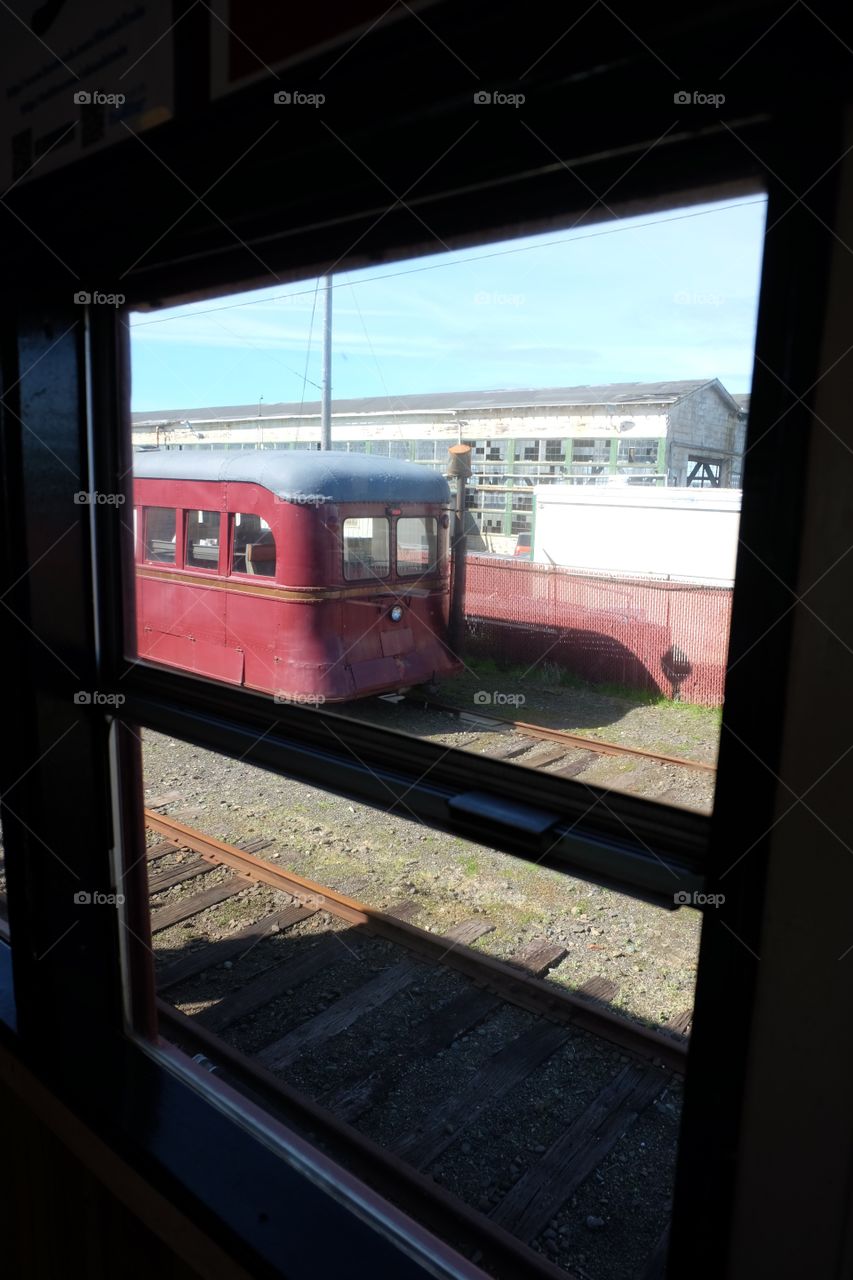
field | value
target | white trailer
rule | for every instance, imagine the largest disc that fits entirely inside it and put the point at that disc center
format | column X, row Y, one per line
column 685, row 535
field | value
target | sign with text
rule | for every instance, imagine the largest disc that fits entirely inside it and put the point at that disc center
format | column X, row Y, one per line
column 83, row 75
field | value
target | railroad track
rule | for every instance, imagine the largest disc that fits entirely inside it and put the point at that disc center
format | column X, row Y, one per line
column 289, row 1008
column 565, row 743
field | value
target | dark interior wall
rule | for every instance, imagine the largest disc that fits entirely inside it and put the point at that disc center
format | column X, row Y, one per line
column 57, row 1218
column 71, row 1206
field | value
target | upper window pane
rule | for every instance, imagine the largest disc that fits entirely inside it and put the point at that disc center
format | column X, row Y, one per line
column 600, row 377
column 417, row 544
column 203, row 539
column 366, row 548
column 160, row 525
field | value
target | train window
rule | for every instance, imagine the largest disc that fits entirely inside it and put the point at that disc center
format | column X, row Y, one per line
column 252, row 545
column 203, row 539
column 366, row 543
column 593, row 655
column 417, row 544
column 160, row 530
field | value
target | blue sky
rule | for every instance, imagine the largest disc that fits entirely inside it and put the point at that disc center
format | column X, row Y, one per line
column 656, row 297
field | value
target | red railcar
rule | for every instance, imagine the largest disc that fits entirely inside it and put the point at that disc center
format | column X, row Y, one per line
column 312, row 576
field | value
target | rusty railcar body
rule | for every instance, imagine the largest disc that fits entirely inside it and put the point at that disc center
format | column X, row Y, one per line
column 311, row 576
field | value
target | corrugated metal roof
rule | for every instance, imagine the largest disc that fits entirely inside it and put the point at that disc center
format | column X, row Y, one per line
column 617, row 394
column 299, row 476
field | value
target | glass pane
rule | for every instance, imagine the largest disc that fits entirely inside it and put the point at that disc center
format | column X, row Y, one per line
column 203, row 539
column 417, row 544
column 253, row 548
column 401, row 1024
column 160, row 525
column 601, row 510
column 366, row 548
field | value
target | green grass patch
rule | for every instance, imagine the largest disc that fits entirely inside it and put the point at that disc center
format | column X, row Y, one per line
column 548, row 675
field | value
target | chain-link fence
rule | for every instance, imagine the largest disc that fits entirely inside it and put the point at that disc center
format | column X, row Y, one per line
column 652, row 634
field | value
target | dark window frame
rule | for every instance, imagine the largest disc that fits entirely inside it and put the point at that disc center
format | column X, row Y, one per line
column 73, row 404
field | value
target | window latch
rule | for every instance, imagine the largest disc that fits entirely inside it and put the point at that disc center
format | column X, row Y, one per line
column 483, row 810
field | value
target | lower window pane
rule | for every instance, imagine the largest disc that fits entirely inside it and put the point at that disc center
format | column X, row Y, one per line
column 443, row 999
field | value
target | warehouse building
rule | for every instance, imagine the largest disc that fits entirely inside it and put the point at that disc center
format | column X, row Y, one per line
column 676, row 433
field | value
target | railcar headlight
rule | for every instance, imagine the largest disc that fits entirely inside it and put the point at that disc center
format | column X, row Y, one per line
column 396, row 613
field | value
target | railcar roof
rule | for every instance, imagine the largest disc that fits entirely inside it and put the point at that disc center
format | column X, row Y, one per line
column 294, row 474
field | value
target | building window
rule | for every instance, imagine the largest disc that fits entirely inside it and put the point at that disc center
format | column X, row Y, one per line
column 588, row 451
column 642, row 452
column 554, row 451
column 704, row 473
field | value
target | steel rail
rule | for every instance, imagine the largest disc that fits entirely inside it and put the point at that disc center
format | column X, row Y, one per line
column 569, row 739
column 537, row 995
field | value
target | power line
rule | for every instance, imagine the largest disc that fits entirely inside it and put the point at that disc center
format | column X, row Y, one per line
column 438, row 266
column 373, row 354
column 305, row 378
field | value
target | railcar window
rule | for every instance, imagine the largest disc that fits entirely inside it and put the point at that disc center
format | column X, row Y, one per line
column 366, row 544
column 203, row 539
column 417, row 544
column 160, row 540
column 253, row 545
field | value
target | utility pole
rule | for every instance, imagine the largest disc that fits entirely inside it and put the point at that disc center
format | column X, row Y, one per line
column 458, row 468
column 326, row 407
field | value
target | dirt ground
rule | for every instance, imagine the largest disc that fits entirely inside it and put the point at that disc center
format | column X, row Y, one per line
column 384, row 858
column 684, row 732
